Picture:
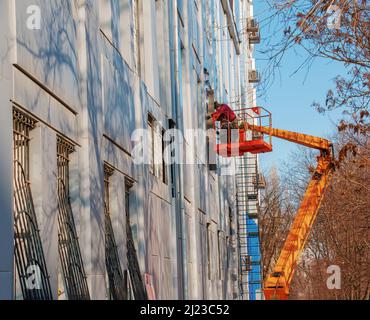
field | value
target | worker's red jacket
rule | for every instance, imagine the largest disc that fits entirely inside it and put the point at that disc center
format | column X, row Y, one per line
column 224, row 110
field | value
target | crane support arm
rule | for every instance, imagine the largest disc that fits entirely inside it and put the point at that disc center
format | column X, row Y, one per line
column 299, row 138
column 277, row 283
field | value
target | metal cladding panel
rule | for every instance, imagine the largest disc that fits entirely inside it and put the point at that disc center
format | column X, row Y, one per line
column 118, row 100
column 77, row 76
column 155, row 272
column 165, row 288
column 165, row 231
column 36, row 100
column 153, row 225
column 50, row 53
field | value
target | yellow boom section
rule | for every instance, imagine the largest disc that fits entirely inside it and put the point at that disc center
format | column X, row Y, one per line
column 277, row 283
column 299, row 138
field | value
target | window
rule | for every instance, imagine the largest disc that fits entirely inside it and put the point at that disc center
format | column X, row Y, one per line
column 151, row 139
column 22, row 125
column 220, row 253
column 209, row 240
column 128, row 186
column 129, row 285
column 136, row 286
column 231, row 233
column 156, row 150
column 164, row 157
column 28, row 249
column 227, row 251
column 171, row 125
column 117, row 284
column 74, row 275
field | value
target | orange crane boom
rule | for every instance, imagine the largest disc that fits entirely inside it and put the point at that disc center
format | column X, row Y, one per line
column 276, row 286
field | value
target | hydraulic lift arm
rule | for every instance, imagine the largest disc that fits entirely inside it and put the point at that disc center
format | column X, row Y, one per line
column 299, row 138
column 277, row 284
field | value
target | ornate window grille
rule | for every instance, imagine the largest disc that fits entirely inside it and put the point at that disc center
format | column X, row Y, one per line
column 69, row 251
column 29, row 255
column 117, row 282
column 136, row 281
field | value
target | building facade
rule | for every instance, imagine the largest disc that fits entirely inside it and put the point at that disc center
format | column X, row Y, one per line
column 80, row 216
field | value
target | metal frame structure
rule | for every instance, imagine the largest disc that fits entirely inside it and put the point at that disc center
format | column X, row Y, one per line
column 117, row 282
column 29, row 254
column 137, row 286
column 246, row 144
column 232, row 136
column 74, row 275
column 255, row 282
column 276, row 286
column 250, row 277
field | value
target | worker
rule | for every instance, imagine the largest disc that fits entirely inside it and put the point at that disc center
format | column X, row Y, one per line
column 224, row 121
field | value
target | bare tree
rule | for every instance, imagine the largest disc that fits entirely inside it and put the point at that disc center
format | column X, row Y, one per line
column 274, row 221
column 337, row 30
column 340, row 235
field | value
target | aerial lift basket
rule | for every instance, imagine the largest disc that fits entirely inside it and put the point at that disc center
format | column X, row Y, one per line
column 232, row 136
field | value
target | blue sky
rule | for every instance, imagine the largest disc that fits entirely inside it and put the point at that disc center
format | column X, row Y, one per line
column 290, row 97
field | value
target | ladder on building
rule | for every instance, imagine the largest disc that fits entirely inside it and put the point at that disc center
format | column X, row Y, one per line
column 242, row 226
column 241, row 194
column 250, row 278
column 255, row 281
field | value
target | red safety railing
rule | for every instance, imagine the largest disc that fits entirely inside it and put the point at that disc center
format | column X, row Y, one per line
column 233, row 138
